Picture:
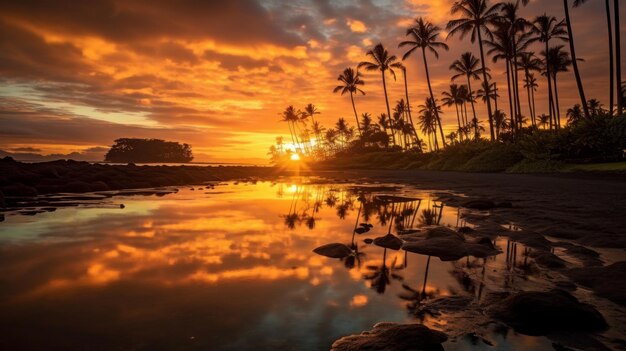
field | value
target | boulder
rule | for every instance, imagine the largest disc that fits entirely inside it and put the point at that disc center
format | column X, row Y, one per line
column 608, row 282
column 448, row 245
column 334, row 250
column 541, row 313
column 389, row 241
column 393, row 337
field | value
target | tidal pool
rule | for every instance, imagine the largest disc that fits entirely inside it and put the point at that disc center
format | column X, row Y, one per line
column 232, row 268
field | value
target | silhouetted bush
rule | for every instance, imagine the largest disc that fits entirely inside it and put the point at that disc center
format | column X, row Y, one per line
column 148, row 150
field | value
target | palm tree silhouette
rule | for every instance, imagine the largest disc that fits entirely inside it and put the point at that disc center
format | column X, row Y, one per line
column 382, row 61
column 351, row 81
column 428, row 120
column 291, row 116
column 574, row 114
column 424, row 35
column 557, row 60
column 516, row 27
column 408, row 108
column 468, row 66
column 501, row 46
column 476, row 16
column 528, row 62
column 545, row 29
column 531, row 85
column 572, row 49
column 452, row 97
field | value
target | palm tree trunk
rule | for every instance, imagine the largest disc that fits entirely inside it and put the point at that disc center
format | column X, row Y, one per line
column 408, row 109
column 432, row 97
column 516, row 86
column 556, row 102
column 532, row 91
column 579, row 82
column 393, row 136
column 618, row 57
column 611, row 58
column 495, row 94
column 458, row 120
column 471, row 95
column 356, row 116
column 530, row 106
column 487, row 87
column 511, row 107
column 548, row 75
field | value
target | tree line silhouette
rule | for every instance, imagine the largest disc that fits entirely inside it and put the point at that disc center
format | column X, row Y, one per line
column 500, row 33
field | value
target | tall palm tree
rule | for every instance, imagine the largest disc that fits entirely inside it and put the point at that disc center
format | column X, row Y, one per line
column 350, row 83
column 517, row 29
column 501, row 47
column 382, row 61
column 476, row 16
column 557, row 61
column 572, row 49
column 529, row 63
column 468, row 66
column 545, row 29
column 424, row 36
column 607, row 8
column 383, row 121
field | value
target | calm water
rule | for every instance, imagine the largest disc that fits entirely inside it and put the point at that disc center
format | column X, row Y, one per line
column 232, row 268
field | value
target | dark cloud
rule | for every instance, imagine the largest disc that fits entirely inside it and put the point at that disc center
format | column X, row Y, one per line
column 232, row 21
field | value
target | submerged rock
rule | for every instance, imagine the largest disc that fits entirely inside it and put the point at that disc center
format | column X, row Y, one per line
column 448, row 245
column 389, row 241
column 541, row 313
column 393, row 337
column 608, row 282
column 334, row 250
column 479, row 204
column 547, row 259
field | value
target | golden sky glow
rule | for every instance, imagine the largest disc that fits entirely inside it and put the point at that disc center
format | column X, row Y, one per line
column 216, row 74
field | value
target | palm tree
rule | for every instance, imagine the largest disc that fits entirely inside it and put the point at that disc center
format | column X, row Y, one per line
column 468, row 66
column 574, row 114
column 424, row 35
column 544, row 120
column 545, row 29
column 531, row 85
column 595, row 108
column 501, row 47
column 499, row 119
column 453, row 97
column 428, row 124
column 579, row 83
column 517, row 28
column 528, row 62
column 611, row 58
column 383, row 121
column 476, row 16
column 557, row 61
column 292, row 116
column 430, row 110
column 382, row 61
column 408, row 108
column 351, row 81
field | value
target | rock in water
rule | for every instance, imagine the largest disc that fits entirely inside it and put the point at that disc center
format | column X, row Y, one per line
column 393, row 337
column 389, row 241
column 541, row 313
column 334, row 250
column 479, row 204
column 608, row 282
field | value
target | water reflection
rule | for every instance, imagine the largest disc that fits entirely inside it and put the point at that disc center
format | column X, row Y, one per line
column 228, row 268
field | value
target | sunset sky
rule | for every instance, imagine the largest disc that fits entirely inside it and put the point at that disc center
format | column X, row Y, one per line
column 75, row 75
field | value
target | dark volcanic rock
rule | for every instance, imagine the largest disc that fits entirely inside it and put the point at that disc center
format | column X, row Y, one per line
column 608, row 282
column 334, row 250
column 547, row 259
column 393, row 337
column 389, row 241
column 540, row 313
column 448, row 245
